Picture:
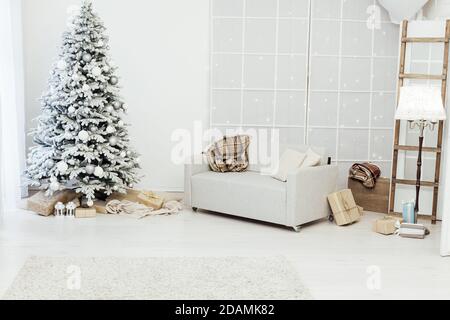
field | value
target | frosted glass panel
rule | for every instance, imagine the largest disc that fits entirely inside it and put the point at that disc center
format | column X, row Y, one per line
column 355, row 109
column 348, row 104
column 383, row 109
column 326, row 9
column 381, row 145
column 355, row 74
column 228, row 7
column 294, row 8
column 325, row 35
column 356, row 39
column 226, row 106
column 258, row 107
column 291, row 72
column 356, row 9
column 290, row 108
column 261, row 8
column 292, row 35
column 324, row 73
column 325, row 138
column 323, row 109
column 259, row 71
column 260, row 35
column 228, row 35
column 386, row 40
column 353, row 144
column 385, row 74
column 227, row 71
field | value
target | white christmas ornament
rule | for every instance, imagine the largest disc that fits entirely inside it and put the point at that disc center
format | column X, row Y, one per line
column 83, row 135
column 87, row 57
column 106, row 69
column 109, row 108
column 62, row 167
column 75, row 77
column 114, row 80
column 120, row 123
column 90, row 203
column 90, row 169
column 96, row 71
column 113, row 141
column 98, row 172
column 49, row 163
column 54, row 186
column 71, row 109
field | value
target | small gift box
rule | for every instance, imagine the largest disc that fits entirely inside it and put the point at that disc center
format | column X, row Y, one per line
column 85, row 212
column 387, row 225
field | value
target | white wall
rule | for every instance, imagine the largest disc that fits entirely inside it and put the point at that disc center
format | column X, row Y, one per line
column 162, row 50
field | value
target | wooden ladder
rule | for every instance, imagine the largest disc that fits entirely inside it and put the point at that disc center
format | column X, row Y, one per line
column 438, row 149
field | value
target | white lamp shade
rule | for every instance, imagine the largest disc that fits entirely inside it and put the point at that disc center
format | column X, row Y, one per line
column 420, row 103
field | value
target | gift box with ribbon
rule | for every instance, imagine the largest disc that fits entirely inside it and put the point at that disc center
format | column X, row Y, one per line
column 387, row 225
column 345, row 210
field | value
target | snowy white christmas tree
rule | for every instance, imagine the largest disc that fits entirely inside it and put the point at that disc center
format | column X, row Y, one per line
column 81, row 141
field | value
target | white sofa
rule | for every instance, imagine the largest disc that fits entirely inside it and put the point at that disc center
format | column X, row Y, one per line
column 249, row 194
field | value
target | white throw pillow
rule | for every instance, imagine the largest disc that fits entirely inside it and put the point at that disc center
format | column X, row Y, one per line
column 312, row 159
column 289, row 161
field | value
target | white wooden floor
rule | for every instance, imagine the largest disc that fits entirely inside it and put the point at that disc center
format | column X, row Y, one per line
column 334, row 262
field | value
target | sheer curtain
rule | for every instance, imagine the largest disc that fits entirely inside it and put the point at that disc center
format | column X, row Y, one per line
column 12, row 133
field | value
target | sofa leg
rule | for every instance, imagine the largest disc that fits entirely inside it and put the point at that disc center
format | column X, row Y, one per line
column 297, row 228
column 194, row 209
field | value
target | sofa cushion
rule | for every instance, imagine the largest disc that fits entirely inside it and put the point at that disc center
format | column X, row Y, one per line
column 247, row 194
column 289, row 161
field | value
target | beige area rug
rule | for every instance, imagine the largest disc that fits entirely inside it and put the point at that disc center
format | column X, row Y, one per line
column 157, row 278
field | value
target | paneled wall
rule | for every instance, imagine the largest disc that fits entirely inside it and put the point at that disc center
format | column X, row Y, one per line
column 323, row 72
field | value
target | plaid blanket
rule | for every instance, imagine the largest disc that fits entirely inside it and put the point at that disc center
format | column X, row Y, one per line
column 229, row 154
column 366, row 172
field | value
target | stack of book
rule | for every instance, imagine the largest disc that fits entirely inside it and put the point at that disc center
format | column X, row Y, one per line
column 411, row 230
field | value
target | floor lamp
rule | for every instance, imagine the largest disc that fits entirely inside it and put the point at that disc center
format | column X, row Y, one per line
column 422, row 107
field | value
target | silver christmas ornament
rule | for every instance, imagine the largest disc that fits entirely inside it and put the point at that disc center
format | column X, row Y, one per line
column 54, row 186
column 109, row 108
column 71, row 109
column 49, row 163
column 106, row 69
column 90, row 169
column 131, row 185
column 113, row 141
column 93, row 128
column 114, row 80
column 98, row 171
column 62, row 167
column 117, row 105
column 87, row 57
column 96, row 71
column 83, row 135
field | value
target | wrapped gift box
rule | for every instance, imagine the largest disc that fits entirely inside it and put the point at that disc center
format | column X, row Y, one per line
column 345, row 210
column 44, row 205
column 386, row 225
column 85, row 212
